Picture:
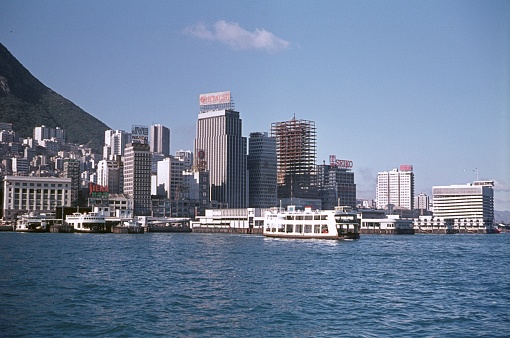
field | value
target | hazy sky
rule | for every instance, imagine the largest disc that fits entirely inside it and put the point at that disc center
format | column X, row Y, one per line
column 425, row 83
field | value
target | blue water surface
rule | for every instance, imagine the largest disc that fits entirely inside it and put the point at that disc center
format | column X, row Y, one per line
column 196, row 285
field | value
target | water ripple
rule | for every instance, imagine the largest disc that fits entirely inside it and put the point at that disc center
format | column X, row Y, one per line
column 228, row 285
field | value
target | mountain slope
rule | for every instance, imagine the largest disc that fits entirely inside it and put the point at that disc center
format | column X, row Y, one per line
column 26, row 103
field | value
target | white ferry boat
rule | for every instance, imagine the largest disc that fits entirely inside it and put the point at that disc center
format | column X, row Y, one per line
column 31, row 223
column 341, row 223
column 87, row 222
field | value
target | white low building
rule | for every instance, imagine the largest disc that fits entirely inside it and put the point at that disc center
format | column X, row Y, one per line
column 391, row 224
column 239, row 220
column 27, row 194
column 470, row 205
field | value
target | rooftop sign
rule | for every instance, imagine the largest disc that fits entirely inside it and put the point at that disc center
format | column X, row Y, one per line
column 214, row 98
column 344, row 164
column 139, row 134
column 215, row 101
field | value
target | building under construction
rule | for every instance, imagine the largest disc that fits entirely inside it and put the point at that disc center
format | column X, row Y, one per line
column 296, row 150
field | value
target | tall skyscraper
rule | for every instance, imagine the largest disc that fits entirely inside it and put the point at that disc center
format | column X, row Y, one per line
column 470, row 205
column 396, row 188
column 296, row 151
column 137, row 176
column 159, row 139
column 262, row 171
column 221, row 149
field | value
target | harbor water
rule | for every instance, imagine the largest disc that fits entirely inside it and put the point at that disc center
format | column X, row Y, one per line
column 196, row 285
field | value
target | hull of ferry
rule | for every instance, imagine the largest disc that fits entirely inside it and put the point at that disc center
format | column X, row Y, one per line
column 311, row 236
column 28, row 223
column 87, row 223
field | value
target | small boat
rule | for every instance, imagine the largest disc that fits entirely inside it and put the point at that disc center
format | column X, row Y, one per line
column 31, row 223
column 91, row 222
column 493, row 230
column 340, row 224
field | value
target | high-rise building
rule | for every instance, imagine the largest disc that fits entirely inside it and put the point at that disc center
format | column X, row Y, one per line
column 395, row 189
column 335, row 182
column 169, row 178
column 470, row 205
column 221, row 149
column 114, row 143
column 421, row 202
column 262, row 171
column 196, row 190
column 296, row 151
column 45, row 133
column 159, row 139
column 186, row 156
column 20, row 166
column 137, row 176
column 156, row 157
column 72, row 171
column 110, row 174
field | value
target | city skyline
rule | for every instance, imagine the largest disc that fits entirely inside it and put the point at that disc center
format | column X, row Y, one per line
column 387, row 83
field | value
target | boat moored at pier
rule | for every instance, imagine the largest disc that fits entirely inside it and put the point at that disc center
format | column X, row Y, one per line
column 91, row 222
column 339, row 224
column 31, row 223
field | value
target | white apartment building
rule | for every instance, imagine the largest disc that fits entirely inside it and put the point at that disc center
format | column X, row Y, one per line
column 20, row 166
column 43, row 133
column 39, row 194
column 471, row 204
column 395, row 188
column 110, row 174
column 169, row 178
column 115, row 142
column 421, row 201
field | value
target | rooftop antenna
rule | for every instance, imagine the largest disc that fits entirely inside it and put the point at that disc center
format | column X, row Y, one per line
column 476, row 169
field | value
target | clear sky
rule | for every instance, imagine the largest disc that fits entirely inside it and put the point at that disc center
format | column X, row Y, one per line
column 425, row 83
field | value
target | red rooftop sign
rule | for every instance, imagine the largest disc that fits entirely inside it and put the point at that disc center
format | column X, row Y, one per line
column 214, row 98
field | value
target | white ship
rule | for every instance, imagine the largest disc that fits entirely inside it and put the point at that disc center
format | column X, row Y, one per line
column 341, row 223
column 31, row 223
column 87, row 222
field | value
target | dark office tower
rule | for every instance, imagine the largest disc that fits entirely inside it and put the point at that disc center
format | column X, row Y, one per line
column 335, row 182
column 72, row 171
column 137, row 176
column 296, row 153
column 262, row 171
column 221, row 149
column 159, row 139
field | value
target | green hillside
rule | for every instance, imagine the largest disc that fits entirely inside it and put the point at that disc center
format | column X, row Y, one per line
column 26, row 103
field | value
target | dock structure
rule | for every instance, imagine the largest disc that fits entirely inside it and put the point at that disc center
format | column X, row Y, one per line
column 377, row 222
column 235, row 221
column 120, row 229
